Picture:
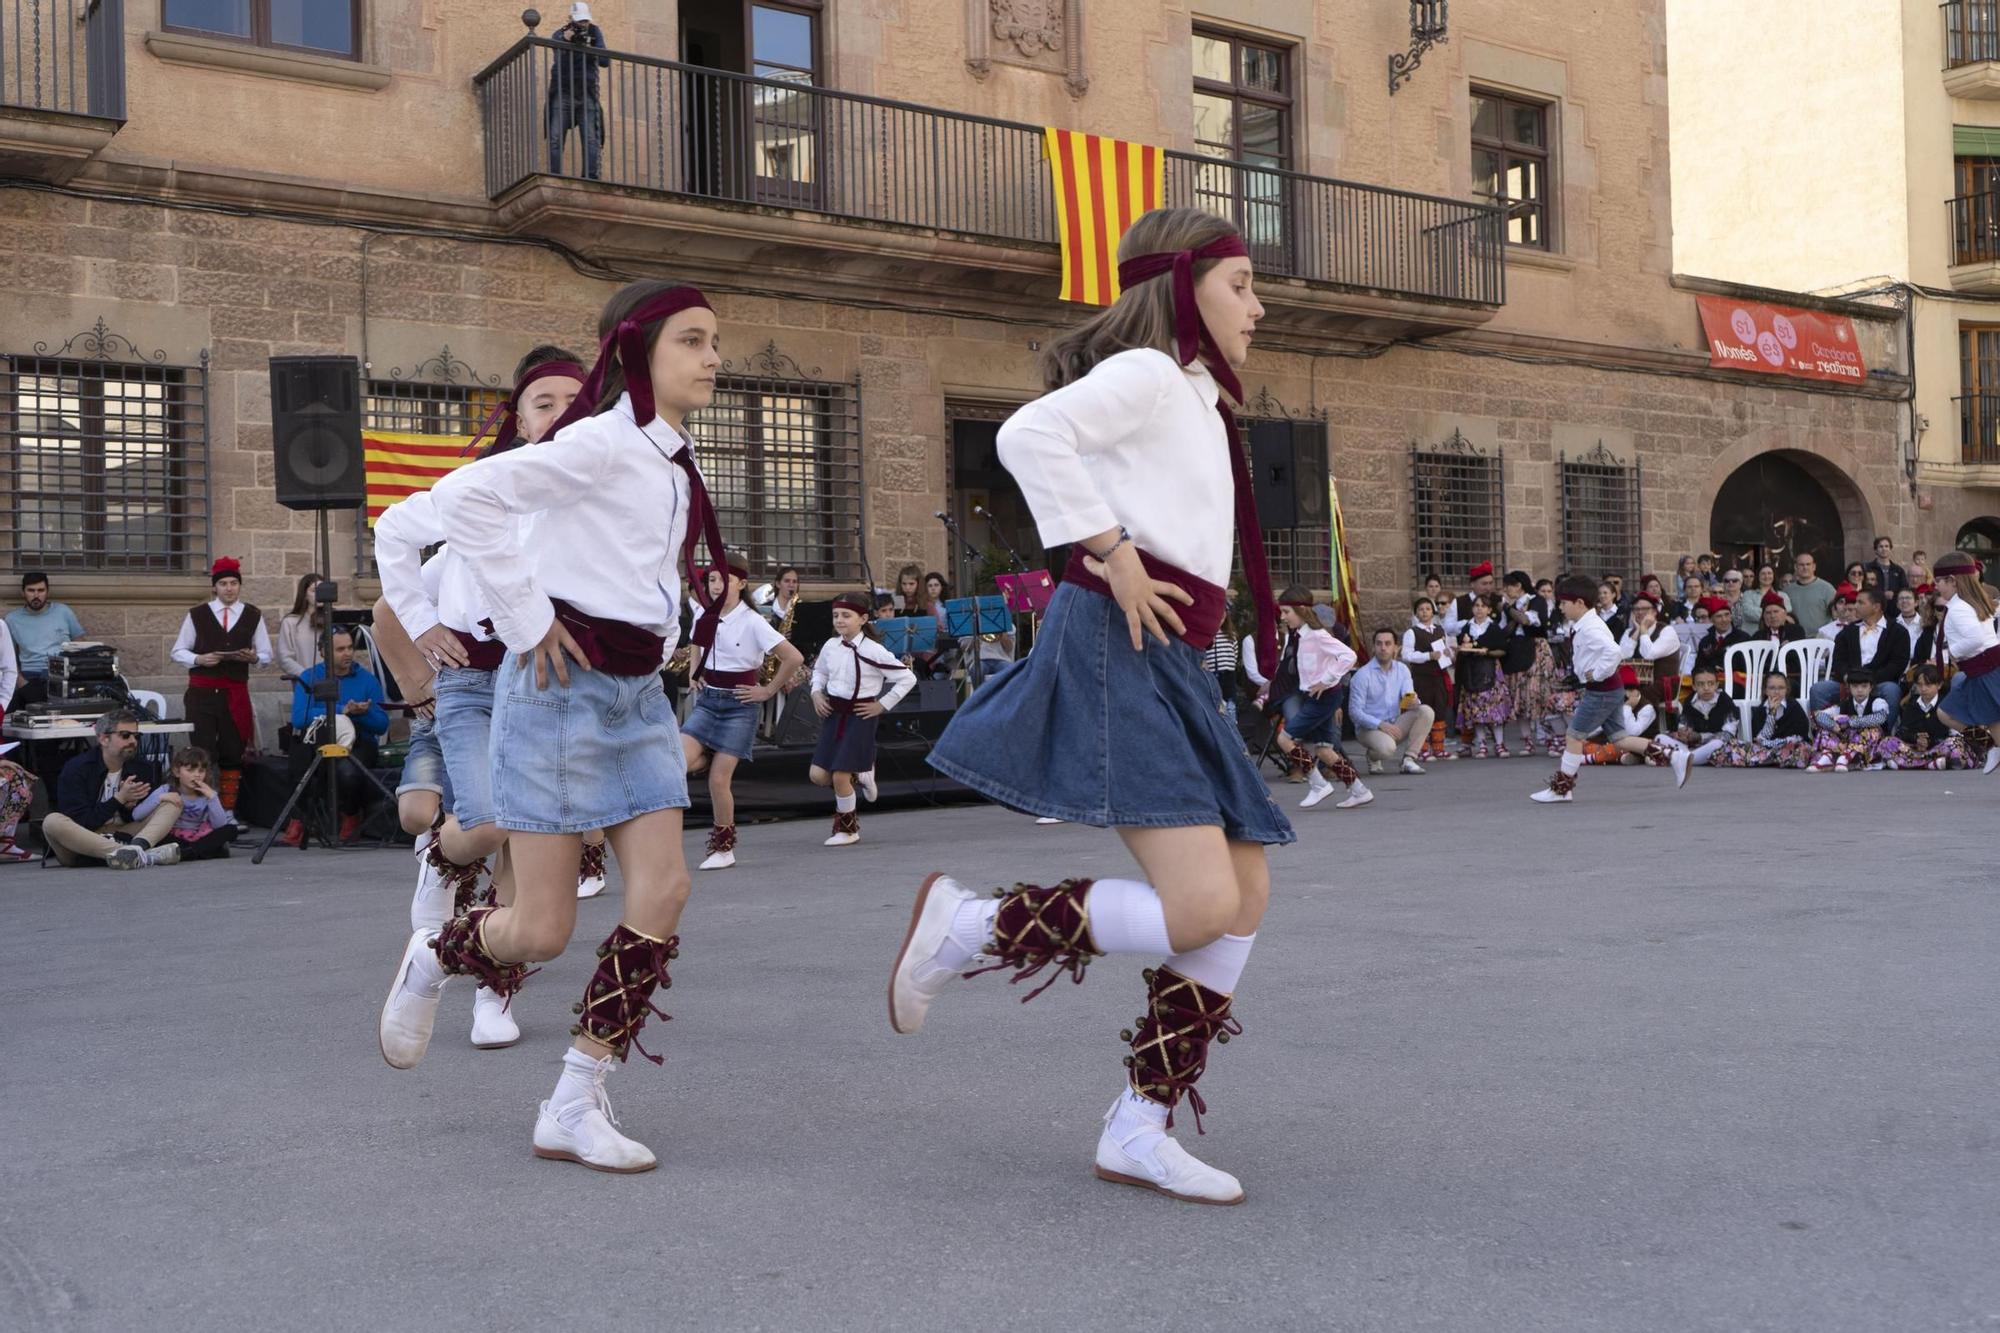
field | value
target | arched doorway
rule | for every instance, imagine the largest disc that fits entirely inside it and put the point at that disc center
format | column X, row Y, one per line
column 1981, row 539
column 1772, row 509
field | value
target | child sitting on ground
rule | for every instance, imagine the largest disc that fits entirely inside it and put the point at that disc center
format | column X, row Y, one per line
column 205, row 828
column 1852, row 732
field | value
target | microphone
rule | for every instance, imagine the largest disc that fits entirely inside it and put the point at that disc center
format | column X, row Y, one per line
column 939, row 514
column 979, row 510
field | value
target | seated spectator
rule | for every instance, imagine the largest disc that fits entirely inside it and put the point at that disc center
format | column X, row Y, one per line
column 1780, row 735
column 1708, row 722
column 95, row 821
column 17, row 793
column 1843, row 611
column 1907, row 617
column 1722, row 635
column 204, row 829
column 1774, row 623
column 1871, row 644
column 360, row 703
column 1927, row 739
column 1630, row 738
column 40, row 628
column 299, row 632
column 1654, row 646
column 1854, row 731
column 1389, row 719
column 1742, row 603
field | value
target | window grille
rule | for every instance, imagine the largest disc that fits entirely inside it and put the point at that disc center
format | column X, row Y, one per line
column 1600, row 515
column 1458, row 506
column 105, row 456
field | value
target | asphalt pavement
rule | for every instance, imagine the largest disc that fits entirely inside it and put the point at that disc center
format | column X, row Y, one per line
column 1721, row 1060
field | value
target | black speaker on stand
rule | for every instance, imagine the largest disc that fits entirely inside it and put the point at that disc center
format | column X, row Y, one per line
column 1288, row 473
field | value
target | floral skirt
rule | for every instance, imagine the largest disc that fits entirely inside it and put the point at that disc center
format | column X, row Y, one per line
column 1954, row 751
column 1867, row 746
column 1796, row 753
column 1535, row 688
column 1487, row 708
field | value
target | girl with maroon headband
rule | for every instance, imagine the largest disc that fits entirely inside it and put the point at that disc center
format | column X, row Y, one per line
column 585, row 594
column 854, row 681
column 1969, row 630
column 1133, row 456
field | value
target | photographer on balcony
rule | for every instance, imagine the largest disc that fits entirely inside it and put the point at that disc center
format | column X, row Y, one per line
column 573, row 90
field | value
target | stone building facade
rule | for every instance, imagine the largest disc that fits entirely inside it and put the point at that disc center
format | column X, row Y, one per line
column 882, row 263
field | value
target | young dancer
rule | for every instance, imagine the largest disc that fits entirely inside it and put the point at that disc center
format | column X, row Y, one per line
column 1927, row 740
column 1855, row 732
column 1484, row 704
column 588, row 610
column 854, row 682
column 1529, row 663
column 1595, row 660
column 1132, row 456
column 1312, row 711
column 722, row 726
column 1969, row 634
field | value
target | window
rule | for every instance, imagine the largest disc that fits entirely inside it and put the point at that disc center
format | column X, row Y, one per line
column 1458, row 510
column 1243, row 115
column 782, row 457
column 323, row 27
column 1600, row 514
column 1979, row 389
column 1510, row 164
column 418, row 407
column 1971, row 32
column 107, row 462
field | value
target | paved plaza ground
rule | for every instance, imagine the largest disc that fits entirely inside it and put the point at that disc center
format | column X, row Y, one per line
column 1721, row 1061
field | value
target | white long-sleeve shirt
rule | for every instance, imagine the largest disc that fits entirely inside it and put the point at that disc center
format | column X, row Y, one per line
column 1667, row 644
column 1441, row 651
column 609, row 507
column 401, row 534
column 10, row 666
column 833, row 671
column 1593, row 654
column 183, row 649
column 1964, row 632
column 1135, row 442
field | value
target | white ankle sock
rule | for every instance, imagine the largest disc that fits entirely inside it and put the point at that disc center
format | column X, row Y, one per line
column 844, row 804
column 971, row 929
column 576, row 1090
column 1126, row 917
column 1572, row 764
column 1218, row 966
column 1133, row 1115
column 425, row 976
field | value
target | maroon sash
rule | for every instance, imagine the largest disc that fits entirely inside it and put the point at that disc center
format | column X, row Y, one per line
column 612, row 646
column 728, row 680
column 1202, row 619
column 481, row 654
column 1980, row 663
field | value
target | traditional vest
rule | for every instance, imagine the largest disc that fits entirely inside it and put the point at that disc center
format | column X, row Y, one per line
column 210, row 638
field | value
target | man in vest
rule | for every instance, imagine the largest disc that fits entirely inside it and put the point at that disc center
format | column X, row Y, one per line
column 217, row 644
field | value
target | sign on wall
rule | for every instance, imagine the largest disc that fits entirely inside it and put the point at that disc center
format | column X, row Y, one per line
column 1778, row 340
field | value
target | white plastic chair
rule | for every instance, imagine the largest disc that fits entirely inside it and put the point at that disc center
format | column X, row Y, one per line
column 152, row 699
column 1751, row 661
column 1810, row 659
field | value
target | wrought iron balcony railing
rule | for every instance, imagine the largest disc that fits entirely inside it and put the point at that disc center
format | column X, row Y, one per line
column 63, row 55
column 1975, row 228
column 1971, row 31
column 1978, row 428
column 550, row 108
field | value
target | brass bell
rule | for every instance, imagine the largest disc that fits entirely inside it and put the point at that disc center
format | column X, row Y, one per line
column 603, row 951
column 1131, row 1062
column 1125, row 1035
column 1148, row 975
column 673, row 953
column 575, row 1030
column 1181, row 1047
column 576, row 1008
column 1222, row 1038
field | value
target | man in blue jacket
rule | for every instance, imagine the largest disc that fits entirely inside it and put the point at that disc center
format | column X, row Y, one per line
column 573, row 90
column 92, row 821
column 360, row 703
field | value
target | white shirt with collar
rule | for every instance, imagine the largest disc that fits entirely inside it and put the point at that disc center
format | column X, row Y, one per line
column 1870, row 639
column 1707, row 709
column 1665, row 643
column 743, row 639
column 402, row 532
column 1964, row 632
column 1136, row 442
column 1831, row 629
column 833, row 671
column 183, row 649
column 1912, row 626
column 607, row 509
column 1593, row 655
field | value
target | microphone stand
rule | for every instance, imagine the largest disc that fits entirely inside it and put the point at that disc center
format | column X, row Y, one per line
column 1020, row 567
column 974, row 557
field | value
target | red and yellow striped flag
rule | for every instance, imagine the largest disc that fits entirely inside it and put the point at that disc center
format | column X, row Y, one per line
column 1102, row 186
column 398, row 463
column 1345, row 594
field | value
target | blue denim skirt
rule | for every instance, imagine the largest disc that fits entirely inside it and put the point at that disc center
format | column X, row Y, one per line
column 1310, row 721
column 1974, row 700
column 463, row 721
column 423, row 766
column 1086, row 730
column 596, row 752
column 722, row 722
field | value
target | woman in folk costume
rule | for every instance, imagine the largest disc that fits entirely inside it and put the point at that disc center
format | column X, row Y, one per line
column 588, row 605
column 1427, row 652
column 1133, row 457
column 1484, row 704
column 1967, row 627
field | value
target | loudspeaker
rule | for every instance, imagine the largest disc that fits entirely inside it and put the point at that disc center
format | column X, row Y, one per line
column 799, row 726
column 316, row 431
column 1288, row 473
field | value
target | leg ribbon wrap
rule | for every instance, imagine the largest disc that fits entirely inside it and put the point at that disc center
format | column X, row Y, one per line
column 1336, row 767
column 461, row 950
column 1037, row 928
column 619, row 998
column 850, row 822
column 722, row 838
column 1561, row 783
column 590, row 865
column 1170, row 1042
column 463, row 879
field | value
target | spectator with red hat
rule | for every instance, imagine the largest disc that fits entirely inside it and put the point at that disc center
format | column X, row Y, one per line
column 218, row 643
column 1480, row 580
column 1774, row 623
column 1722, row 635
column 1842, row 609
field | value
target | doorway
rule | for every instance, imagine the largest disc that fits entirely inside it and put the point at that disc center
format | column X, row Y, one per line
column 1772, row 510
column 986, row 504
column 746, row 141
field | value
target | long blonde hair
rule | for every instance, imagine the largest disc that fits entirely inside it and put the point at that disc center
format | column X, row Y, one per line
column 1142, row 316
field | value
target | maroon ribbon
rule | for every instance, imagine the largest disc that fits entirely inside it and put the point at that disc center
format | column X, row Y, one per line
column 1192, row 339
column 508, row 414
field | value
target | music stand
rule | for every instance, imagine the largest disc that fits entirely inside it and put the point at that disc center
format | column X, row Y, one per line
column 1028, row 593
column 969, row 618
column 906, row 636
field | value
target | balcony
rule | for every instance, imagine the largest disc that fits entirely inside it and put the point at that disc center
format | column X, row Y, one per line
column 1977, row 462
column 1975, row 242
column 713, row 171
column 1972, row 48
column 62, row 84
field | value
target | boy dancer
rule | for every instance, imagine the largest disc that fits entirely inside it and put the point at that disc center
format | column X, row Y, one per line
column 1595, row 659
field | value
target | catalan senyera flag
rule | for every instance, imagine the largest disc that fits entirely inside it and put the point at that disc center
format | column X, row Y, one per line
column 1102, row 186
column 1342, row 569
column 398, row 463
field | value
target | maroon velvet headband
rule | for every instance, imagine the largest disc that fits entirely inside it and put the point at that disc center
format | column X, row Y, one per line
column 627, row 343
column 861, row 609
column 1191, row 335
column 508, row 414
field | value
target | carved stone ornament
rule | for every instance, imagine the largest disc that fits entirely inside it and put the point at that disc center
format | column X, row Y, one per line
column 1032, row 26
column 1040, row 34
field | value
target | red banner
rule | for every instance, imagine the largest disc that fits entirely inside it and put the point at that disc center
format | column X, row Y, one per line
column 1778, row 340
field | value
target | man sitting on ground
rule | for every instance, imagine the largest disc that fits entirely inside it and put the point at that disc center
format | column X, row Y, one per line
column 92, row 823
column 1382, row 701
column 361, row 704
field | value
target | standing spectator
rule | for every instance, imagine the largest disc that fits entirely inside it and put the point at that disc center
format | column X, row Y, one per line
column 1460, row 610
column 1483, row 702
column 299, row 632
column 1872, row 645
column 40, row 628
column 1742, row 604
column 1704, row 565
column 1843, row 612
column 93, row 821
column 1222, row 660
column 573, row 101
column 1811, row 596
column 360, row 703
column 1682, row 569
column 1907, row 617
column 1894, row 577
column 1767, row 581
column 1434, row 589
column 1608, row 608
column 1389, row 719
column 1919, row 569
column 218, row 642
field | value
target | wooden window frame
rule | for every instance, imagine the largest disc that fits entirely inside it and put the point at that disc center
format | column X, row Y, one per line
column 260, row 31
column 1510, row 150
column 1979, row 396
column 1284, row 101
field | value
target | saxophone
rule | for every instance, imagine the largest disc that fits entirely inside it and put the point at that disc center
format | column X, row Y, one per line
column 770, row 667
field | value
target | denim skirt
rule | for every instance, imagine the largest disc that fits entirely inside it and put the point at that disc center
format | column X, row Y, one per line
column 1974, row 700
column 1309, row 721
column 596, row 752
column 1086, row 730
column 423, row 766
column 722, row 722
column 463, row 722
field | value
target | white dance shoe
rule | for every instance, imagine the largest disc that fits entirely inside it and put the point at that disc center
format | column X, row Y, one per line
column 866, row 781
column 587, row 1133
column 1357, row 794
column 1165, row 1168
column 410, row 1011
column 917, row 979
column 493, row 1025
column 430, row 905
column 719, row 861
